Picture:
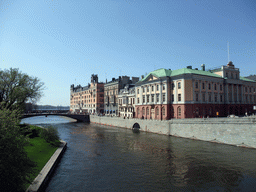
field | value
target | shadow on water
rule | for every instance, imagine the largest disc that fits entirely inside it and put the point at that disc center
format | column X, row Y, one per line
column 136, row 130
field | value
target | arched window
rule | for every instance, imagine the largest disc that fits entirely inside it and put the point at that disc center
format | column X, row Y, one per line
column 179, row 111
column 138, row 110
column 163, row 111
column 143, row 111
column 157, row 111
column 147, row 111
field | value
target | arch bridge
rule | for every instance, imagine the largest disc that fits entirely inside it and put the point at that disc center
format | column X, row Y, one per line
column 78, row 117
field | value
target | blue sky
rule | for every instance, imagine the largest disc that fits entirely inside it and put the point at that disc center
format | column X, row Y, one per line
column 63, row 42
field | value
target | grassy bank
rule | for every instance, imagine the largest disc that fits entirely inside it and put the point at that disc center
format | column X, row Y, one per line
column 38, row 149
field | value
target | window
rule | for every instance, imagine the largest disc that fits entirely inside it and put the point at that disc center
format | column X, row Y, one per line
column 215, row 87
column 163, row 87
column 173, row 85
column 196, row 96
column 147, row 98
column 236, row 76
column 250, row 89
column 215, row 98
column 143, row 89
column 209, row 86
column 172, row 97
column 152, row 98
column 245, row 89
column 179, row 85
column 157, row 111
column 138, row 100
column 210, row 98
column 163, row 111
column 203, row 97
column 203, row 85
column 220, row 98
column 147, row 88
column 227, row 75
column 147, row 111
column 157, row 87
column 231, row 75
column 152, row 88
column 196, row 85
column 138, row 111
column 179, row 111
column 143, row 99
column 138, row 91
column 157, row 97
column 143, row 111
column 179, row 97
column 221, row 87
column 163, row 97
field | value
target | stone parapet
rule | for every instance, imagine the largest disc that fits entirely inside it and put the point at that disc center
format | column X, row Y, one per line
column 233, row 131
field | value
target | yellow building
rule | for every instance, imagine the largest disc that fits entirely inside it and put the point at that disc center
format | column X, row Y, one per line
column 189, row 93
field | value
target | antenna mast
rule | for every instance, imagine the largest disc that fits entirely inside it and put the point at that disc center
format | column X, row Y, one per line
column 228, row 51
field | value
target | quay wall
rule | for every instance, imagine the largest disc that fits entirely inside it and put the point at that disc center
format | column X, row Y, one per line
column 233, row 131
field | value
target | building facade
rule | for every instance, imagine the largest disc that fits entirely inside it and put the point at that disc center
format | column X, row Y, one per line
column 87, row 99
column 111, row 90
column 188, row 93
column 126, row 102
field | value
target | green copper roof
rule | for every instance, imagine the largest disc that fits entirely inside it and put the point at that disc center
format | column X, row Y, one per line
column 245, row 79
column 193, row 71
column 165, row 72
column 158, row 73
column 169, row 73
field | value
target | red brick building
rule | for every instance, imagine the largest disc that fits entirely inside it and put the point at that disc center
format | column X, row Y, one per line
column 87, row 99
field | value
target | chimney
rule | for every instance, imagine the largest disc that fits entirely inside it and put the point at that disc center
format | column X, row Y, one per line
column 203, row 67
column 142, row 76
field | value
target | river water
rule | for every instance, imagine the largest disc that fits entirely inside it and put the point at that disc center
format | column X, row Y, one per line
column 103, row 158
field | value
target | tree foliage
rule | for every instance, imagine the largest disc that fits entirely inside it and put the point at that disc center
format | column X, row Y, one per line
column 15, row 166
column 16, row 88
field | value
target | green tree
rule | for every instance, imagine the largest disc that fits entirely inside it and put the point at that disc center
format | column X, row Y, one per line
column 16, row 88
column 15, row 166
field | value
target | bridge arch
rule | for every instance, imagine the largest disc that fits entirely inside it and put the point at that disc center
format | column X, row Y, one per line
column 79, row 118
column 136, row 126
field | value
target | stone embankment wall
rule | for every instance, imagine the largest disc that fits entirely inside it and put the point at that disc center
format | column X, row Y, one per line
column 233, row 131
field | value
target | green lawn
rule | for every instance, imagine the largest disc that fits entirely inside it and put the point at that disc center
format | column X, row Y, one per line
column 40, row 152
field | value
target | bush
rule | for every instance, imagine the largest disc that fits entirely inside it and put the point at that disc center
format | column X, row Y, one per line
column 51, row 135
column 15, row 166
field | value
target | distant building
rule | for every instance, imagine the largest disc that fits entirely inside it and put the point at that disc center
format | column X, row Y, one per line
column 188, row 93
column 111, row 90
column 126, row 101
column 87, row 99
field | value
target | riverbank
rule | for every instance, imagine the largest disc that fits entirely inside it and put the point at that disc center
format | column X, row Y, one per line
column 232, row 131
column 44, row 148
column 41, row 180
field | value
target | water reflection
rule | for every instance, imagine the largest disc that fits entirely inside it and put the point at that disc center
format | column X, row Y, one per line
column 101, row 158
